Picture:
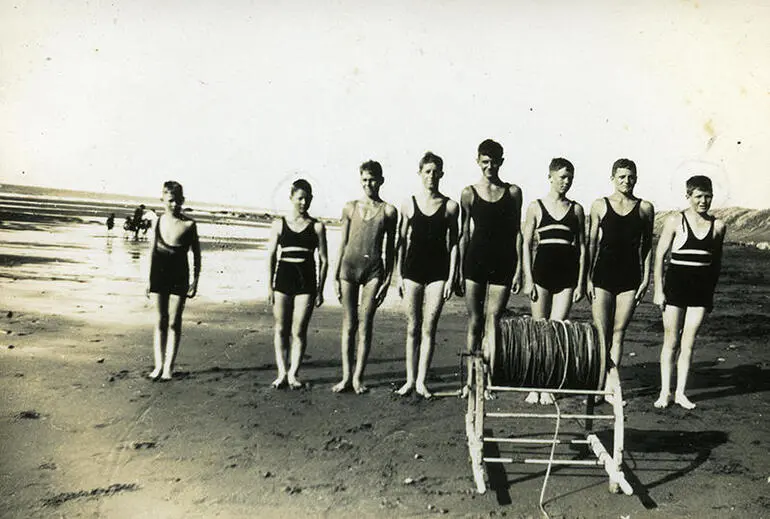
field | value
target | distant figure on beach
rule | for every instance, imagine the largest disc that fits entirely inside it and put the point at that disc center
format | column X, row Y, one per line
column 294, row 287
column 174, row 235
column 110, row 221
column 556, row 278
column 620, row 248
column 366, row 224
column 427, row 263
column 490, row 253
column 136, row 222
column 694, row 240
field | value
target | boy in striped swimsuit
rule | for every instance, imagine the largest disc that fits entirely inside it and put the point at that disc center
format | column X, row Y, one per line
column 555, row 279
column 694, row 239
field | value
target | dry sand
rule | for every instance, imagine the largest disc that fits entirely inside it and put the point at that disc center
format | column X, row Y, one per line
column 84, row 434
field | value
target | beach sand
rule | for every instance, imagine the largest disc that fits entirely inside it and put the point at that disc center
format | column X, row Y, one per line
column 83, row 433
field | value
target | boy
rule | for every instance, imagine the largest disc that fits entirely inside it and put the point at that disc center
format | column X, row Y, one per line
column 694, row 239
column 174, row 235
column 365, row 224
column 490, row 252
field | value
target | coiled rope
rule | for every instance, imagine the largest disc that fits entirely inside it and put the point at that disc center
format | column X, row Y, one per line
column 540, row 353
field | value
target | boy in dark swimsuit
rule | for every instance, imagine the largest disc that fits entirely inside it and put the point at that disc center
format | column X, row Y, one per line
column 174, row 235
column 427, row 262
column 294, row 287
column 620, row 248
column 490, row 252
column 366, row 224
column 556, row 278
column 686, row 295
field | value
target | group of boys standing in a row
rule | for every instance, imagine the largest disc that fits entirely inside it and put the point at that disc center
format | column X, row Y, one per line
column 484, row 257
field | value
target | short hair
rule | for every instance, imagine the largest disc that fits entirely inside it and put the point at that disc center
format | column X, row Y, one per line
column 701, row 182
column 302, row 184
column 491, row 149
column 373, row 167
column 624, row 164
column 561, row 163
column 432, row 158
column 175, row 188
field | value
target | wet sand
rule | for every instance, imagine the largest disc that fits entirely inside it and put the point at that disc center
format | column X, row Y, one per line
column 85, row 434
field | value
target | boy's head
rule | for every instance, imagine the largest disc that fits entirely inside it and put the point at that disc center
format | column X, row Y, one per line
column 628, row 164
column 301, row 184
column 374, row 168
column 174, row 188
column 560, row 163
column 432, row 158
column 491, row 149
column 700, row 182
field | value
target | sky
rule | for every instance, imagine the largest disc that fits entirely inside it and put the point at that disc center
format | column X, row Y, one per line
column 237, row 99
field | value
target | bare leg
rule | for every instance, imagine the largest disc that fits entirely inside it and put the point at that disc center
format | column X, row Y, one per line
column 497, row 298
column 413, row 298
column 303, row 310
column 282, row 310
column 160, row 336
column 692, row 321
column 368, row 308
column 541, row 309
column 434, row 302
column 349, row 329
column 175, row 309
column 562, row 304
column 624, row 310
column 475, row 295
column 673, row 317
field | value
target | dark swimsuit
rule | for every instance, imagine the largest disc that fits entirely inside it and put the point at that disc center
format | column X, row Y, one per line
column 491, row 255
column 427, row 257
column 295, row 273
column 691, row 277
column 618, row 266
column 556, row 259
column 362, row 259
column 169, row 270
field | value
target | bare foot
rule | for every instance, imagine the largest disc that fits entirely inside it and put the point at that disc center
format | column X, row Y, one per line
column 683, row 401
column 423, row 391
column 546, row 399
column 154, row 374
column 295, row 383
column 359, row 388
column 662, row 401
column 532, row 398
column 341, row 386
column 465, row 391
column 279, row 382
column 405, row 389
column 166, row 376
column 489, row 395
column 610, row 399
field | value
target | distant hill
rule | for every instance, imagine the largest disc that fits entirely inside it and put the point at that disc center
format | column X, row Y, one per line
column 743, row 225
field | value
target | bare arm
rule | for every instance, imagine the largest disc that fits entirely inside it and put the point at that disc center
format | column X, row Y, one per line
column 664, row 245
column 720, row 229
column 528, row 234
column 323, row 261
column 648, row 217
column 452, row 210
column 466, row 200
column 147, row 264
column 272, row 257
column 391, row 222
column 195, row 246
column 581, row 244
column 517, row 197
column 598, row 209
column 403, row 231
column 344, row 231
